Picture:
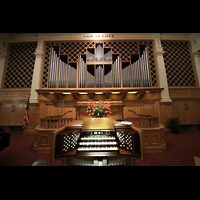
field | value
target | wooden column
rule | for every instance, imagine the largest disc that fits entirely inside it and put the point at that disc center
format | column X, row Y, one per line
column 161, row 69
column 3, row 54
column 37, row 73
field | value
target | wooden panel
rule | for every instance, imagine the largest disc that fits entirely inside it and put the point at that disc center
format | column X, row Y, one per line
column 149, row 109
column 197, row 107
column 137, row 107
column 12, row 114
column 44, row 140
column 20, row 113
column 98, row 123
column 154, row 139
column 7, row 114
column 140, row 108
column 2, row 115
column 53, row 110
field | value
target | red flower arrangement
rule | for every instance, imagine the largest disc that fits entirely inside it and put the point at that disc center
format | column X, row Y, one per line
column 99, row 109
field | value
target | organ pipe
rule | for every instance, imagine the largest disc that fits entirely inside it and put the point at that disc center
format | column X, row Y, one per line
column 90, row 80
column 107, row 56
column 72, row 77
column 68, row 73
column 99, row 53
column 99, row 76
column 116, row 73
column 90, row 56
column 82, row 73
column 108, row 79
column 145, row 69
column 53, row 69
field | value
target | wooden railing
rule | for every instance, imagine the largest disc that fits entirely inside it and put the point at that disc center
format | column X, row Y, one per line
column 49, row 122
column 143, row 122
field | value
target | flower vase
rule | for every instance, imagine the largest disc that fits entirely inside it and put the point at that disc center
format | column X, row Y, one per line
column 99, row 115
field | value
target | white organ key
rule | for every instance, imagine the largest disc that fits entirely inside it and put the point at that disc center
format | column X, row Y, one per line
column 97, row 143
column 98, row 138
column 97, row 149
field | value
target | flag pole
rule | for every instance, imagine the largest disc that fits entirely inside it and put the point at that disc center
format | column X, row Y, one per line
column 26, row 116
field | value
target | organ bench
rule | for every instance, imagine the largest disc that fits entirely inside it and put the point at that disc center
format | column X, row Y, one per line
column 97, row 142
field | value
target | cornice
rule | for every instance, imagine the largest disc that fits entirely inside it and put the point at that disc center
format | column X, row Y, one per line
column 30, row 37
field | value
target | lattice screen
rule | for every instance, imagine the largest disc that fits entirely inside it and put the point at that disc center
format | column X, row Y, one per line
column 73, row 49
column 20, row 65
column 178, row 63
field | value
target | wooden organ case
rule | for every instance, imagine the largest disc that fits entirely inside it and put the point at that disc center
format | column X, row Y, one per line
column 99, row 142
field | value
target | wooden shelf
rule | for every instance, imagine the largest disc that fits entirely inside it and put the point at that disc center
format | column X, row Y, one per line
column 99, row 62
column 94, row 90
column 55, row 94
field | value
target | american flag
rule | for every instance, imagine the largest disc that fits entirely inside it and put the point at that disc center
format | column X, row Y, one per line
column 26, row 115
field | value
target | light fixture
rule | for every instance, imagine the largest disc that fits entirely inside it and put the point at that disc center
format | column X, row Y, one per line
column 83, row 93
column 51, row 93
column 66, row 93
column 132, row 92
column 98, row 92
column 115, row 92
column 147, row 91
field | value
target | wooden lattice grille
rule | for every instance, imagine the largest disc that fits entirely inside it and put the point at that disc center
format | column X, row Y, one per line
column 74, row 48
column 20, row 65
column 178, row 64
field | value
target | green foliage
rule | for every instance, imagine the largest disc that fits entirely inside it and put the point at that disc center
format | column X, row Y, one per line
column 174, row 124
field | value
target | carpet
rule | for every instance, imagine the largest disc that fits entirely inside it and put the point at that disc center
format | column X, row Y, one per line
column 180, row 151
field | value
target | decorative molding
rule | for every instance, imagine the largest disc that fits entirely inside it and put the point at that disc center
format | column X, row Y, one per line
column 39, row 53
column 195, row 42
column 4, row 39
column 30, row 37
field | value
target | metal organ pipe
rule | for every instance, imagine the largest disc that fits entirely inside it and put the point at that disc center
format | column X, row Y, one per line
column 116, row 73
column 135, row 74
column 113, row 75
column 126, row 76
column 99, row 53
column 108, row 79
column 62, row 76
column 90, row 56
column 90, row 80
column 72, row 77
column 82, row 73
column 145, row 69
column 107, row 56
column 99, row 76
column 53, row 69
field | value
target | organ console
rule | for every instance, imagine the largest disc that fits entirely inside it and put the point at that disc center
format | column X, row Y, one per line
column 98, row 142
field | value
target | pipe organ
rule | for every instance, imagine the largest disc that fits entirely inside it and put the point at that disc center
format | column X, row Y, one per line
column 82, row 73
column 53, row 69
column 99, row 67
column 145, row 69
column 116, row 73
column 72, row 76
column 98, row 143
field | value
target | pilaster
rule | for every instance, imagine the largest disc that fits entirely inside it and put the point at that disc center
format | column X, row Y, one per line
column 197, row 64
column 161, row 69
column 195, row 42
column 4, row 39
column 37, row 73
